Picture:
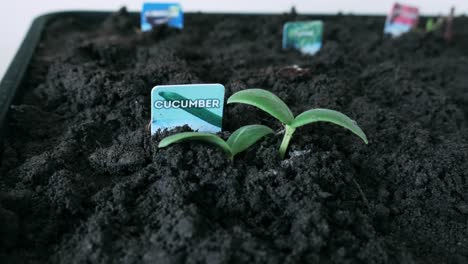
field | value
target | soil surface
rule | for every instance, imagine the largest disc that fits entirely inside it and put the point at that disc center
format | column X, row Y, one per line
column 82, row 181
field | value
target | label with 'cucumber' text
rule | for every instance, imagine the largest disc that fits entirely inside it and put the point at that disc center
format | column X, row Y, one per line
column 305, row 36
column 200, row 106
column 154, row 14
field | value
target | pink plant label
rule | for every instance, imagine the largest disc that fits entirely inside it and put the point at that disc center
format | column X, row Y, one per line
column 401, row 19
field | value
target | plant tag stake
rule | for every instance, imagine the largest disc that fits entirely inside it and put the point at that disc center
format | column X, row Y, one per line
column 401, row 19
column 448, row 34
column 304, row 36
column 200, row 106
column 154, row 14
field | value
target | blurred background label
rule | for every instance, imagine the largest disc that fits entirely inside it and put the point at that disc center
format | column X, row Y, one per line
column 154, row 14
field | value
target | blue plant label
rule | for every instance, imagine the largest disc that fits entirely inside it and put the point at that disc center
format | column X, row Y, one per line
column 401, row 19
column 154, row 14
column 305, row 36
column 200, row 106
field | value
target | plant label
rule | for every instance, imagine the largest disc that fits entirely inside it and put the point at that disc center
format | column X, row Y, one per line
column 200, row 106
column 154, row 14
column 401, row 19
column 304, row 36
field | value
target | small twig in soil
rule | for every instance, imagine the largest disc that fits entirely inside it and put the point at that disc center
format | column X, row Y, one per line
column 363, row 196
column 281, row 132
column 148, row 127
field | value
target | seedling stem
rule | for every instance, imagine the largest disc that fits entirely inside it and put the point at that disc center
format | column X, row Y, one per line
column 287, row 137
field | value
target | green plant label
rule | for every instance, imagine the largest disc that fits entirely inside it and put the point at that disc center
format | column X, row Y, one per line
column 200, row 106
column 305, row 36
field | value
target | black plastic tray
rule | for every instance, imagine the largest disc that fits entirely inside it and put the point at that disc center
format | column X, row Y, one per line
column 16, row 72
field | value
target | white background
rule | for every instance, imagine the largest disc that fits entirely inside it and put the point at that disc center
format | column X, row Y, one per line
column 17, row 15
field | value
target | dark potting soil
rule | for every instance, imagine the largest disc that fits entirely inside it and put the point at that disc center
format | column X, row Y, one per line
column 82, row 181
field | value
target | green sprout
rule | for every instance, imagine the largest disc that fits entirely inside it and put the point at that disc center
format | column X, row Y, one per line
column 239, row 141
column 429, row 25
column 273, row 105
column 433, row 26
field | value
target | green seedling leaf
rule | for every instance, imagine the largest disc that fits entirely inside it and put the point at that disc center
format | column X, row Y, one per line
column 239, row 141
column 273, row 105
column 331, row 116
column 266, row 101
column 196, row 136
column 429, row 25
column 246, row 136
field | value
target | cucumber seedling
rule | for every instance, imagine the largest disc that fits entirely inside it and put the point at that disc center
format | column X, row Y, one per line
column 273, row 105
column 433, row 26
column 239, row 141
